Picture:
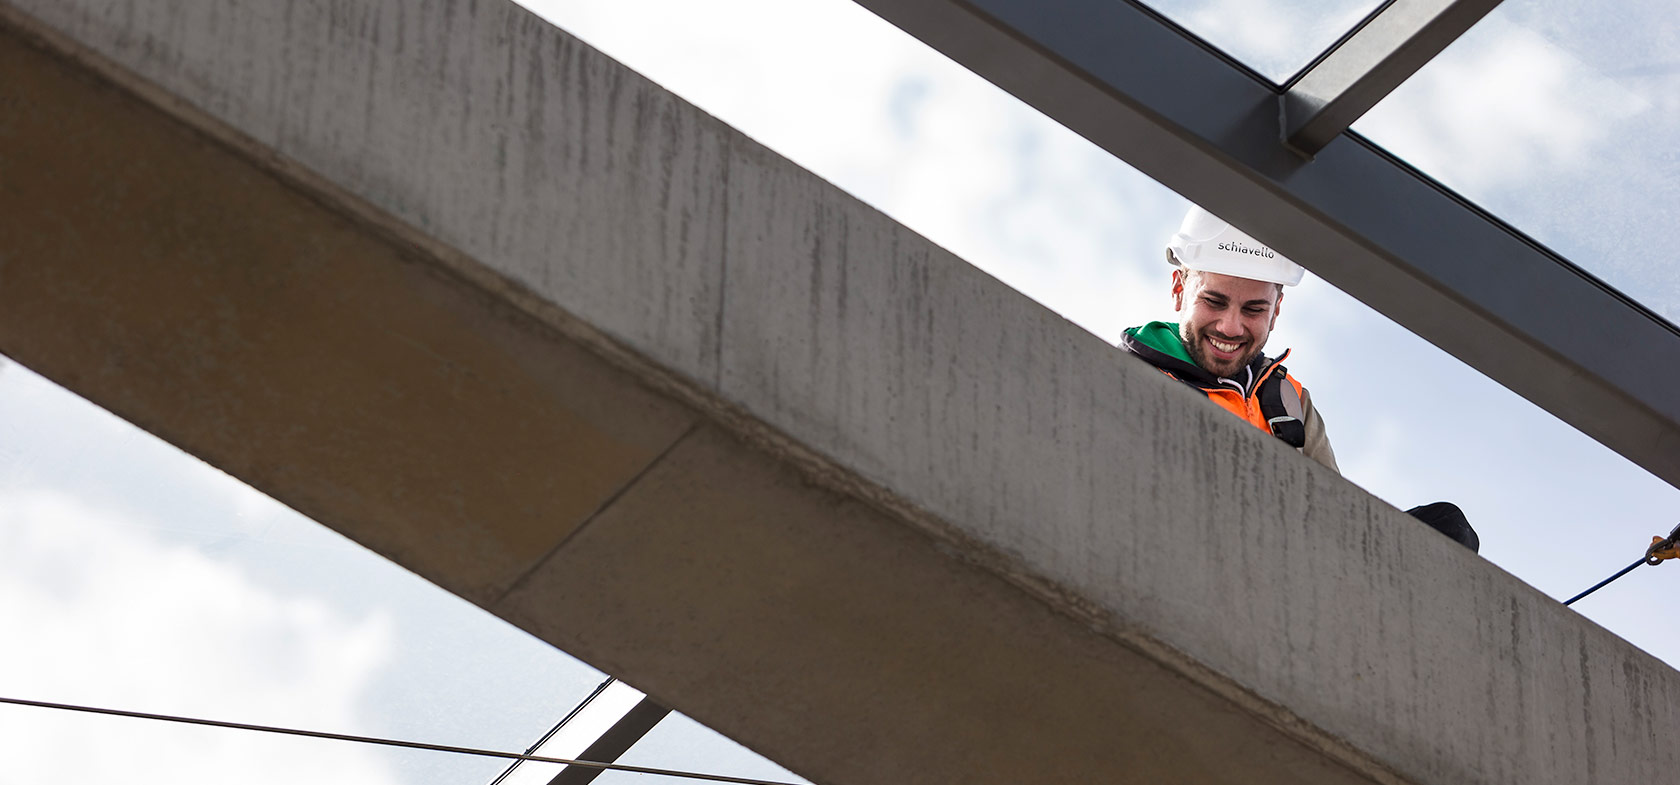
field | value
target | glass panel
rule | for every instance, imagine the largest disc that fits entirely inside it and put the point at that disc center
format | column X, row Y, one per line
column 134, row 576
column 1274, row 37
column 1560, row 117
column 681, row 744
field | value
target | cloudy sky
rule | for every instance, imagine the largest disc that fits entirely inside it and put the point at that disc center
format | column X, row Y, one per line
column 132, row 575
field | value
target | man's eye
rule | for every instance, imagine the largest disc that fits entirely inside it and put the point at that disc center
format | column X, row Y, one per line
column 1254, row 311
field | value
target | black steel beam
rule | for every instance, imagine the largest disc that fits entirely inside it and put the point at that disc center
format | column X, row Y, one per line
column 1168, row 104
column 612, row 743
column 1340, row 87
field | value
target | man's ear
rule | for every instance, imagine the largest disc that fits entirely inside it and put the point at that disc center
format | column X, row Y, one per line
column 1178, row 290
column 1276, row 307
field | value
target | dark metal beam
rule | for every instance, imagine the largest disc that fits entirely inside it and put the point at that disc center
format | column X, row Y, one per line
column 1133, row 83
column 612, row 743
column 564, row 721
column 1340, row 87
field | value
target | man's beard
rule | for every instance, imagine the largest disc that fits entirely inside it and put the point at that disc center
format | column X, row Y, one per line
column 1196, row 345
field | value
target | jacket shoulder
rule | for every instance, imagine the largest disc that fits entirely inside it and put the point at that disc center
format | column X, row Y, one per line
column 1178, row 369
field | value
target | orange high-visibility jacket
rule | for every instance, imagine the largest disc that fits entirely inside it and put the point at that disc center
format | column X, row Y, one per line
column 1267, row 396
column 1283, row 419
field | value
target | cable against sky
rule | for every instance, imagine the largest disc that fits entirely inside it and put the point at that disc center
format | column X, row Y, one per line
column 415, row 745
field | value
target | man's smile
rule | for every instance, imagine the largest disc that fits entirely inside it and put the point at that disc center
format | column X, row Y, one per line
column 1223, row 351
column 1223, row 346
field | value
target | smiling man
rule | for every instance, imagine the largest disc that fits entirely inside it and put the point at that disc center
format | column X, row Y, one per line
column 1227, row 289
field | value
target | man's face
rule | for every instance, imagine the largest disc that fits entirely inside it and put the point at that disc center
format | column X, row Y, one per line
column 1224, row 320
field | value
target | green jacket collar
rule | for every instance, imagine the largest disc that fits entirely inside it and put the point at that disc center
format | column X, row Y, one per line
column 1159, row 345
column 1163, row 338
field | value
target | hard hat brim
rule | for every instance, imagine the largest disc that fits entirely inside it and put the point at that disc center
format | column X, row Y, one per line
column 1207, row 243
column 1277, row 270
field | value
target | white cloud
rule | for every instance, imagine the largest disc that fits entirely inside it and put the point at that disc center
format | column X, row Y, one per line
column 99, row 613
column 1502, row 108
column 1275, row 38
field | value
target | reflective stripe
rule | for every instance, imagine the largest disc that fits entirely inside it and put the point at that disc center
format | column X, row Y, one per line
column 1292, row 398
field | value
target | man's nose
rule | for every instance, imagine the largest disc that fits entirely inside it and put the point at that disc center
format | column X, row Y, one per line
column 1230, row 324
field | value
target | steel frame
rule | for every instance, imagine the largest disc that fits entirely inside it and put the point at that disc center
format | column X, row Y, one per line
column 614, row 742
column 1202, row 124
column 1350, row 78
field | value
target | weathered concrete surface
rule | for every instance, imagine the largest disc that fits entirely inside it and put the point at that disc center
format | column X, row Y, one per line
column 453, row 283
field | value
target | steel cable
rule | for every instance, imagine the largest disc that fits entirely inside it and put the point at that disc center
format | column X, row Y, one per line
column 1661, row 550
column 414, row 745
column 1606, row 581
column 576, row 710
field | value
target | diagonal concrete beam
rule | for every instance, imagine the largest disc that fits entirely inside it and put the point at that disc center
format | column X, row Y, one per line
column 447, row 280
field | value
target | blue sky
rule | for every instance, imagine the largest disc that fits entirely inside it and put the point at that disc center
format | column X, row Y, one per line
column 148, row 580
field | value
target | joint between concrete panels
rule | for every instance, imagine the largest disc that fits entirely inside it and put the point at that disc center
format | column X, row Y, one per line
column 606, row 505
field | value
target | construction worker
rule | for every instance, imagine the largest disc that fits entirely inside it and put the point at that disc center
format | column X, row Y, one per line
column 1226, row 289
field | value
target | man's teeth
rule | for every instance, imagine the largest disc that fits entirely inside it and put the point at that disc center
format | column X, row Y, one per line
column 1223, row 346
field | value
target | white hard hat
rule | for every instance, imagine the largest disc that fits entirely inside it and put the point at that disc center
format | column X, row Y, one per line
column 1208, row 244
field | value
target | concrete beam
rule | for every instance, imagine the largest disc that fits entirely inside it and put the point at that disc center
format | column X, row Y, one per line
column 447, row 280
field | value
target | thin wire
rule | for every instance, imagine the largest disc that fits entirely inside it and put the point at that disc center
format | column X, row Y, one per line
column 414, row 745
column 1606, row 581
column 590, row 698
